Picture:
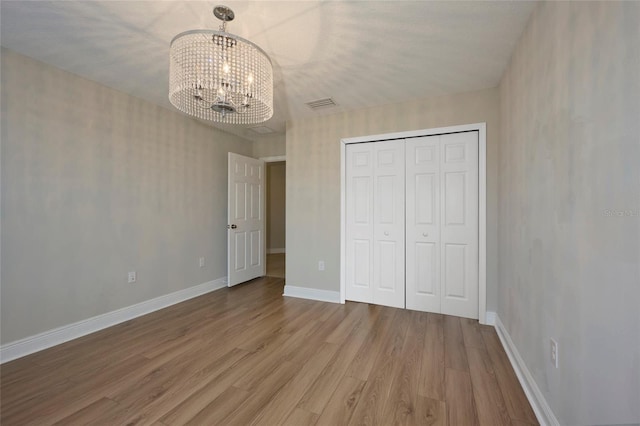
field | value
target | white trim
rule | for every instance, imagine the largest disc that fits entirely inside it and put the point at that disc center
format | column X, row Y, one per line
column 343, row 221
column 416, row 133
column 56, row 336
column 274, row 159
column 490, row 318
column 276, row 250
column 312, row 293
column 481, row 128
column 541, row 408
column 482, row 222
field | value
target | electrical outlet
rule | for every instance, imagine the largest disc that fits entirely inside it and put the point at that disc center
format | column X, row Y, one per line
column 131, row 278
column 202, row 262
column 554, row 353
column 321, row 265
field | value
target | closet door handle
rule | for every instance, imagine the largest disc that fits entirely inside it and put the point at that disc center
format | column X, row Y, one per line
column 386, row 233
column 425, row 234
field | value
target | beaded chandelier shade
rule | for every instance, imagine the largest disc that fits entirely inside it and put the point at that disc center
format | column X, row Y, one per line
column 217, row 76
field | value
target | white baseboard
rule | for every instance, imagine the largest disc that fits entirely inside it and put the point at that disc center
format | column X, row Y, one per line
column 541, row 408
column 312, row 293
column 490, row 318
column 56, row 336
column 276, row 250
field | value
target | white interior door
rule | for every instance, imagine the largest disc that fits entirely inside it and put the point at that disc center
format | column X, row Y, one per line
column 423, row 223
column 459, row 224
column 246, row 222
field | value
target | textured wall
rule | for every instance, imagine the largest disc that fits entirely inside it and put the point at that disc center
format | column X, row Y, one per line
column 269, row 146
column 96, row 183
column 313, row 177
column 569, row 216
column 276, row 201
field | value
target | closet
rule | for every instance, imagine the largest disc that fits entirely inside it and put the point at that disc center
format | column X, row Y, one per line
column 411, row 223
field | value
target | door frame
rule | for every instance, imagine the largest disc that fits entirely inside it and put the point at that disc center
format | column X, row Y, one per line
column 272, row 159
column 481, row 128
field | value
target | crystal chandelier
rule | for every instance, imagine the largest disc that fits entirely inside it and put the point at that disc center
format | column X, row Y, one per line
column 217, row 76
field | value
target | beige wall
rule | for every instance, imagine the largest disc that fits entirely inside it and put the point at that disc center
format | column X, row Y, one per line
column 96, row 183
column 313, row 177
column 569, row 159
column 276, row 201
column 269, row 146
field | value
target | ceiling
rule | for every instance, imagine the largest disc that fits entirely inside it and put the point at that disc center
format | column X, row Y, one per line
column 360, row 53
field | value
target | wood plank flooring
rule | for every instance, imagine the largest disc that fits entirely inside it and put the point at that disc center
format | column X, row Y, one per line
column 275, row 265
column 249, row 356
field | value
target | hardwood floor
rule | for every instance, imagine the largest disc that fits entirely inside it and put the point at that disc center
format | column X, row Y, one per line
column 275, row 265
column 248, row 356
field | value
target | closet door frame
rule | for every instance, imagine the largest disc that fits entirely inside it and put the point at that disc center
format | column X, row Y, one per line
column 482, row 201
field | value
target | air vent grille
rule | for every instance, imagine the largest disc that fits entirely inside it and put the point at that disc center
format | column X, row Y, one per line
column 322, row 103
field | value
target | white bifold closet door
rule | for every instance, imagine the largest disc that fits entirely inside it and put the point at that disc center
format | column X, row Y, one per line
column 416, row 198
column 375, row 260
column 442, row 224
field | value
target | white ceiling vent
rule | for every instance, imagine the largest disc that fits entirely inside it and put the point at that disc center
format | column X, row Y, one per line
column 322, row 103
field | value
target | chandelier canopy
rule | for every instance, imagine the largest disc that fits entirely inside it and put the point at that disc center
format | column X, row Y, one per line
column 217, row 76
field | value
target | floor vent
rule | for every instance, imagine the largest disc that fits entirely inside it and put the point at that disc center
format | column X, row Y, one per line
column 322, row 103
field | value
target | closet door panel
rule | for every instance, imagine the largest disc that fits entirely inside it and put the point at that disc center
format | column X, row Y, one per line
column 359, row 222
column 459, row 227
column 423, row 224
column 426, row 273
column 455, row 262
column 388, row 213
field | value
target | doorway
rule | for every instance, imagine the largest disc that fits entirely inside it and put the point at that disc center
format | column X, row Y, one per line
column 276, row 218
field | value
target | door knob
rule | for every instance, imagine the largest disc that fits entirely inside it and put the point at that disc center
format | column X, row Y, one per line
column 425, row 234
column 386, row 233
column 232, row 226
